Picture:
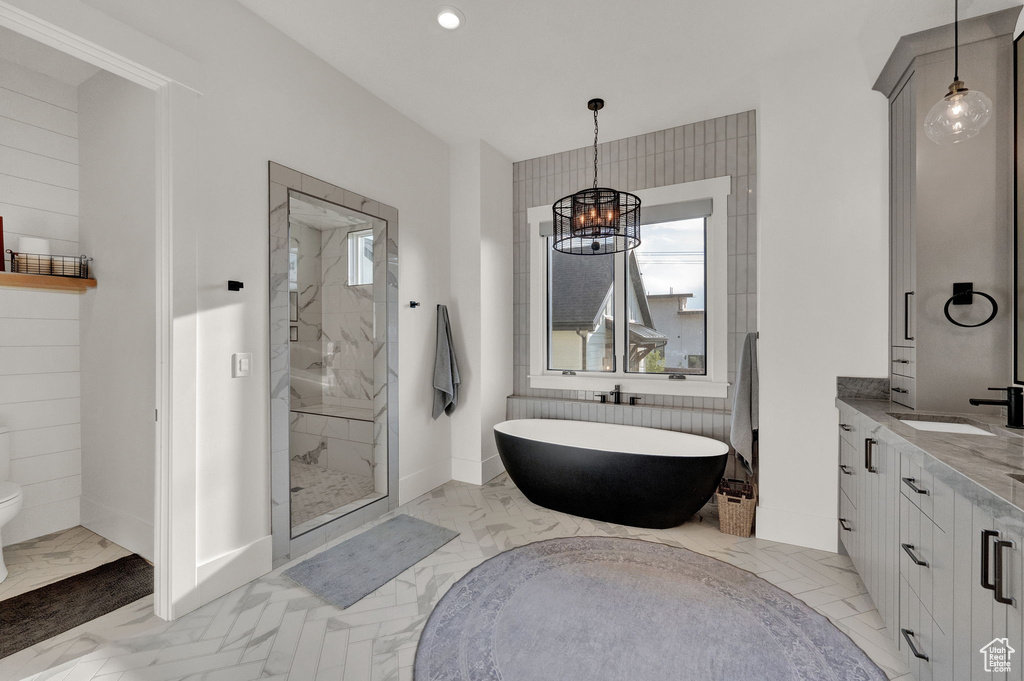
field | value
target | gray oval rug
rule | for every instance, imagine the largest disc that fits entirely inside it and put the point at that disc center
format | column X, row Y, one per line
column 604, row 608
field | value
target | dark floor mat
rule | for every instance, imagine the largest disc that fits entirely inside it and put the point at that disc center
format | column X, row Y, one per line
column 43, row 613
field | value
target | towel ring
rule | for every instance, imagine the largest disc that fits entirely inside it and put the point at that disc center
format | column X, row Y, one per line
column 995, row 308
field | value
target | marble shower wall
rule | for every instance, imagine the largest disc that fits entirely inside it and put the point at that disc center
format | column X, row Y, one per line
column 348, row 325
column 305, row 277
column 385, row 360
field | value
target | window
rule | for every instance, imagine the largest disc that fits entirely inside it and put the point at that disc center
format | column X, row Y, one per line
column 643, row 319
column 360, row 257
column 666, row 281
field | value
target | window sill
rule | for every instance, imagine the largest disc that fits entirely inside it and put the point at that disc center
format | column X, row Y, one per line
column 647, row 386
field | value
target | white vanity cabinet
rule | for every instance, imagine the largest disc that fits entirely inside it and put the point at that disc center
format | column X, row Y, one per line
column 942, row 558
column 869, row 501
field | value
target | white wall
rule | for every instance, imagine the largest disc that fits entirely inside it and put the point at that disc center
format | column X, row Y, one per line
column 481, row 304
column 822, row 276
column 266, row 98
column 118, row 318
column 39, row 335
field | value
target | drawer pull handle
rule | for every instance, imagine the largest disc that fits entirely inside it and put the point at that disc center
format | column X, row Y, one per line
column 902, row 361
column 901, row 391
column 909, row 482
column 868, row 458
column 845, row 469
column 909, row 548
column 986, row 535
column 1000, row 598
column 845, row 525
column 845, row 427
column 908, row 636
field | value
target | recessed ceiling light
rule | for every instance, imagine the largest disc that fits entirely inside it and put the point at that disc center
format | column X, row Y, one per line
column 450, row 18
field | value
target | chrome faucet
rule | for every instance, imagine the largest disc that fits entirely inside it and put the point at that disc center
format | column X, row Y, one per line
column 616, row 395
column 1014, row 404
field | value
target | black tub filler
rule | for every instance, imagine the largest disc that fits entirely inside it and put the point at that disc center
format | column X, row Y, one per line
column 643, row 477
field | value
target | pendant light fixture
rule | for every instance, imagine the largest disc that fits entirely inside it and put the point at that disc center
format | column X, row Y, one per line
column 962, row 113
column 596, row 221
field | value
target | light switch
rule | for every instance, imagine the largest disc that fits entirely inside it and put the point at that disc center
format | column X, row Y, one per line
column 241, row 364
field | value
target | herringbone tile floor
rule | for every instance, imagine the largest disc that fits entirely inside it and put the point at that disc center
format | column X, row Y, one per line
column 274, row 629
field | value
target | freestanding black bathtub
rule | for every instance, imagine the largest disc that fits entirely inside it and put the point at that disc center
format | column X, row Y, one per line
column 643, row 477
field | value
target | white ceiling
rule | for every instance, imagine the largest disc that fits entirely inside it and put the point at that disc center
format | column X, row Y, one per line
column 518, row 73
column 24, row 51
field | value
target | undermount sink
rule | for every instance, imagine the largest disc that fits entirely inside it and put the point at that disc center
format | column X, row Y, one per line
column 943, row 424
column 946, row 427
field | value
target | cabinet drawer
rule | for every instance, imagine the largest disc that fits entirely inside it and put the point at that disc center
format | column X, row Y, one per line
column 904, row 362
column 933, row 497
column 847, row 517
column 926, row 649
column 926, row 563
column 849, row 470
column 903, row 391
column 849, row 426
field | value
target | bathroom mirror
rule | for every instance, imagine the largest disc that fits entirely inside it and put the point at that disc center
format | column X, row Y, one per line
column 333, row 272
column 1018, row 252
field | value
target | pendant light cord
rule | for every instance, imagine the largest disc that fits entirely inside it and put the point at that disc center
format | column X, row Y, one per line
column 956, row 40
column 595, row 148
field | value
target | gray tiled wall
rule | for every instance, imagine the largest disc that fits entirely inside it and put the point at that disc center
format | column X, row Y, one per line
column 712, row 148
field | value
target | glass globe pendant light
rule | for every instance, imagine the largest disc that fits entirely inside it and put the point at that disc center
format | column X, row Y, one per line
column 596, row 221
column 962, row 113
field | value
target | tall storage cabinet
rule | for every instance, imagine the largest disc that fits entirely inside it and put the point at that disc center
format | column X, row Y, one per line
column 950, row 218
column 902, row 255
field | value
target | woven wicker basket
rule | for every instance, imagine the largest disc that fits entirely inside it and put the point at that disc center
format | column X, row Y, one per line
column 736, row 503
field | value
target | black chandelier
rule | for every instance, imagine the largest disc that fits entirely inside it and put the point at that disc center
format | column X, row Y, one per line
column 596, row 221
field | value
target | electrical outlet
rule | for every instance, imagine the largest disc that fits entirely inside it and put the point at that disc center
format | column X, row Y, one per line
column 241, row 364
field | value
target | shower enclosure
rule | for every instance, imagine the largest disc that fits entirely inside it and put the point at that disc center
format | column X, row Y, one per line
column 333, row 283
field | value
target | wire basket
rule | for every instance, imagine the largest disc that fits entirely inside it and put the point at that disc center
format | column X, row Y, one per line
column 737, row 501
column 76, row 266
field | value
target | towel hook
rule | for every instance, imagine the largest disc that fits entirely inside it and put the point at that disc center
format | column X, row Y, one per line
column 414, row 303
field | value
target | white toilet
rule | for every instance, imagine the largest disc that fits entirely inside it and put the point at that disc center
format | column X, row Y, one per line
column 10, row 493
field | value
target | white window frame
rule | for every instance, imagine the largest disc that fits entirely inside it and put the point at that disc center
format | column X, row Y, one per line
column 715, row 383
column 355, row 257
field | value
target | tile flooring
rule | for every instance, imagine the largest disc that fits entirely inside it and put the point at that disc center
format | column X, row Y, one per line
column 271, row 629
column 52, row 557
column 317, row 492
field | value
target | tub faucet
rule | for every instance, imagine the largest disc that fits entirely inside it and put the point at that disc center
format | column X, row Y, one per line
column 1014, row 404
column 616, row 394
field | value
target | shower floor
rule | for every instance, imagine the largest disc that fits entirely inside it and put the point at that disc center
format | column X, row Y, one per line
column 319, row 495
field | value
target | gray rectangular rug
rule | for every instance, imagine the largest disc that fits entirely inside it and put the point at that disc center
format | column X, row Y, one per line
column 359, row 566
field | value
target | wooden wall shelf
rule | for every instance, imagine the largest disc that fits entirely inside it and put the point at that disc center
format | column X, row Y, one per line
column 45, row 282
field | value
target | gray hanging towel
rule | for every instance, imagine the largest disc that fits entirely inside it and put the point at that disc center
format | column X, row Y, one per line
column 744, row 405
column 446, row 369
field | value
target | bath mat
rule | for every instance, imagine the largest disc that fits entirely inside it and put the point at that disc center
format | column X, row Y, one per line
column 34, row 616
column 359, row 566
column 606, row 608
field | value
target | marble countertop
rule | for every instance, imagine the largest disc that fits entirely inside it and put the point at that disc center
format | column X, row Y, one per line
column 987, row 461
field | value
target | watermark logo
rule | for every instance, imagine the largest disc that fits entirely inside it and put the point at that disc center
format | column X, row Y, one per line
column 997, row 656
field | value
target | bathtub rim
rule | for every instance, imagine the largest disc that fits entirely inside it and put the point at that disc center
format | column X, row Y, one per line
column 660, row 442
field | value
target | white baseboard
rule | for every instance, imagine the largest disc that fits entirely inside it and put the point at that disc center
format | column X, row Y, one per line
column 232, row 570
column 491, row 468
column 799, row 529
column 466, row 470
column 39, row 520
column 422, row 481
column 119, row 527
column 476, row 472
